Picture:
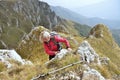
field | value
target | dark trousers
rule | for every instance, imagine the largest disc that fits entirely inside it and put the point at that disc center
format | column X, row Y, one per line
column 51, row 56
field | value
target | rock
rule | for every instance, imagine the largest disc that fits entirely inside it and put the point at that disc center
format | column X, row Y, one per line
column 86, row 67
column 7, row 64
column 104, row 60
column 97, row 31
column 66, row 76
column 92, row 74
column 87, row 53
column 70, row 76
column 29, row 41
column 7, row 55
column 61, row 54
column 116, row 77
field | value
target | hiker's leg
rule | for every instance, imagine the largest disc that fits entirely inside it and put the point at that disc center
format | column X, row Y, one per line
column 50, row 57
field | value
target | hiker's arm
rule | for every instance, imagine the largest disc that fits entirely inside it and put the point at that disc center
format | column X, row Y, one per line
column 60, row 39
column 48, row 51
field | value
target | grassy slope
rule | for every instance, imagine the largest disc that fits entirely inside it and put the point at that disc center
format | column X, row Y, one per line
column 34, row 51
column 116, row 35
column 11, row 31
column 103, row 46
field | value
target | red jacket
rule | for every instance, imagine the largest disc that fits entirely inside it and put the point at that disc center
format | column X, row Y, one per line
column 50, row 47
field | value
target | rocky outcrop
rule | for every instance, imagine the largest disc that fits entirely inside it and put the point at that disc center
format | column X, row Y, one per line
column 7, row 55
column 22, row 15
column 86, row 74
column 59, row 55
column 97, row 31
column 101, row 31
column 30, row 41
column 91, row 74
column 38, row 12
column 67, row 76
column 62, row 53
column 87, row 53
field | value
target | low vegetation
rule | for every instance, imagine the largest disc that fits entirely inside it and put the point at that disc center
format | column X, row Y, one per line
column 15, row 27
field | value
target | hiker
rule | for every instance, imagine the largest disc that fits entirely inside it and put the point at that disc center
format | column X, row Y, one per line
column 51, row 43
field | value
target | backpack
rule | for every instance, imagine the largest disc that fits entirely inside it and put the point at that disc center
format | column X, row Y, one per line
column 53, row 34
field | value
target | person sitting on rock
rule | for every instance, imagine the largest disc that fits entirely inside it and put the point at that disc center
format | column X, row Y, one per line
column 51, row 43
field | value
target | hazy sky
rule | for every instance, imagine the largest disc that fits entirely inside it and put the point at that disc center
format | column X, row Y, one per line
column 108, row 9
column 72, row 3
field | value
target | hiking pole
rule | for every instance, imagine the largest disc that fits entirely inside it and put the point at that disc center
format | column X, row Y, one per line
column 51, row 72
column 53, row 59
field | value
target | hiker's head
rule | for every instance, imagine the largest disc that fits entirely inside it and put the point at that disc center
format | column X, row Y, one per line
column 45, row 36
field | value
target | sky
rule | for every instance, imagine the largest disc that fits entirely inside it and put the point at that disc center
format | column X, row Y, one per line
column 107, row 9
column 70, row 4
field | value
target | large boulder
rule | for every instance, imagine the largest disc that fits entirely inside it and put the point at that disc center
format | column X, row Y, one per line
column 92, row 74
column 59, row 55
column 87, row 53
column 7, row 55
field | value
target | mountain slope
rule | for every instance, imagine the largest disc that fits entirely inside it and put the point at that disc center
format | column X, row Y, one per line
column 105, row 45
column 100, row 38
column 18, row 17
column 19, row 27
column 66, row 13
column 116, row 35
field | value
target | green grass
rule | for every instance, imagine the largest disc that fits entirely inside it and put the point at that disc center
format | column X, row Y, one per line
column 106, row 46
column 2, row 67
column 34, row 51
column 12, row 36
